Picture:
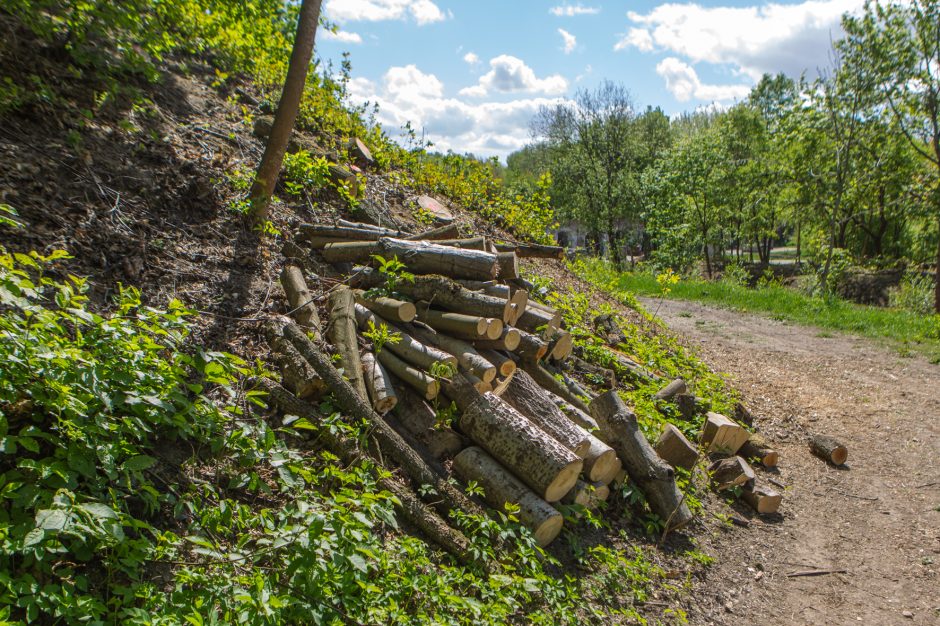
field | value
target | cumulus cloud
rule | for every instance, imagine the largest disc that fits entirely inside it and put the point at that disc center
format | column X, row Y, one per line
column 570, row 41
column 509, row 74
column 342, row 36
column 683, row 83
column 471, row 58
column 772, row 38
column 422, row 11
column 406, row 94
column 571, row 10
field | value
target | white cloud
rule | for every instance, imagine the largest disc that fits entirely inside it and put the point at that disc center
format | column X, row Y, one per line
column 343, row 36
column 569, row 40
column 486, row 129
column 770, row 38
column 422, row 11
column 509, row 74
column 569, row 10
column 683, row 83
column 471, row 58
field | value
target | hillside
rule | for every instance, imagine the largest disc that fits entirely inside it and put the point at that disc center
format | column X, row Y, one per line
column 149, row 483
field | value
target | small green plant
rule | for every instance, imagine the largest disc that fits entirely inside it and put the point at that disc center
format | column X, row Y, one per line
column 446, row 414
column 915, row 293
column 442, row 370
column 394, row 273
column 423, row 216
column 380, row 336
column 304, row 172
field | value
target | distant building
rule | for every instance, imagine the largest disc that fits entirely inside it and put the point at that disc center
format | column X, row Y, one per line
column 577, row 238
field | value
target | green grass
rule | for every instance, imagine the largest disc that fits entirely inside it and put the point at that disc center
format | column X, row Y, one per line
column 904, row 330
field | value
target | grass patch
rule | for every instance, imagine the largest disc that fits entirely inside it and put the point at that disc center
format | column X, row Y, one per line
column 905, row 331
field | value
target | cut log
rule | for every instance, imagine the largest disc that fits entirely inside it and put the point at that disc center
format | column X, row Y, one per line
column 828, row 449
column 312, row 234
column 480, row 385
column 594, row 373
column 524, row 395
column 423, row 383
column 542, row 463
column 494, row 328
column 341, row 332
column 762, row 499
column 504, row 364
column 379, row 384
column 508, row 341
column 447, row 231
column 448, row 294
column 537, row 320
column 743, row 414
column 561, row 345
column 586, row 494
column 730, row 472
column 302, row 307
column 757, row 449
column 501, row 487
column 296, row 373
column 501, row 384
column 720, row 434
column 530, row 347
column 470, row 327
column 359, row 152
column 408, row 348
column 388, row 308
column 385, row 231
column 446, row 498
column 470, row 243
column 575, row 414
column 601, row 463
column 675, row 449
column 467, row 357
column 532, row 250
column 508, row 265
column 688, row 405
column 419, row 419
column 574, row 388
column 415, row 511
column 421, row 257
column 654, row 477
column 671, row 390
column 550, row 383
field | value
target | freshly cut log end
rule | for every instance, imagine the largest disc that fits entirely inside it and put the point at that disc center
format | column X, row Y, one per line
column 763, row 500
column 379, row 384
column 531, row 348
column 505, row 365
column 757, row 448
column 508, row 340
column 671, row 390
column 457, row 324
column 602, row 464
column 545, row 465
column 720, row 434
column 675, row 449
column 731, row 472
column 388, row 308
column 494, row 329
column 501, row 487
column 562, row 345
column 828, row 449
column 588, row 495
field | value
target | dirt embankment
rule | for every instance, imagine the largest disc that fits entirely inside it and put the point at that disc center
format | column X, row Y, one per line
column 878, row 518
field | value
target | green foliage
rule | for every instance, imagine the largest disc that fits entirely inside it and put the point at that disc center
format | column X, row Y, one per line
column 304, row 172
column 394, row 273
column 914, row 294
column 380, row 336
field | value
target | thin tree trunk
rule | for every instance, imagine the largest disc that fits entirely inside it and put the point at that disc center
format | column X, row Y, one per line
column 287, row 108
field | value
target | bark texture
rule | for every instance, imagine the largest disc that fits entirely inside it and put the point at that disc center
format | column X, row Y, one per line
column 828, row 449
column 341, row 332
column 525, row 395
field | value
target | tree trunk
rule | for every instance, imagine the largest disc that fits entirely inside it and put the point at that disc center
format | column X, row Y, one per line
column 651, row 474
column 501, row 487
column 266, row 178
column 936, row 291
column 448, row 294
column 419, row 419
column 467, row 356
column 423, row 383
column 532, row 251
column 421, row 257
column 407, row 347
column 828, row 449
column 561, row 346
column 524, row 395
column 302, row 308
column 379, row 385
column 470, row 243
column 675, row 449
column 341, row 332
column 389, row 308
column 542, row 463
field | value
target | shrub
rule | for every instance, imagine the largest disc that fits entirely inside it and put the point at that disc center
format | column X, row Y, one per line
column 915, row 293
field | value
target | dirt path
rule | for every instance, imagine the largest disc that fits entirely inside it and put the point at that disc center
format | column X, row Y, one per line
column 878, row 519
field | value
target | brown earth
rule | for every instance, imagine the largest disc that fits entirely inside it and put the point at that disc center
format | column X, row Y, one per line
column 877, row 518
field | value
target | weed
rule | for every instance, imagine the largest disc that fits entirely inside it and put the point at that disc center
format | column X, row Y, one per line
column 380, row 336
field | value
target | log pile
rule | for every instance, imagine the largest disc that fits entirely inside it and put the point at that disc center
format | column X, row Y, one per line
column 463, row 374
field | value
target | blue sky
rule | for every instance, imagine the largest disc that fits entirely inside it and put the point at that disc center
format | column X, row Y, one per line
column 471, row 73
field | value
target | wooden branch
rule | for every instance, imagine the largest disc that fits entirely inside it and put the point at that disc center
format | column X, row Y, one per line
column 532, row 251
column 467, row 357
column 470, row 327
column 585, row 368
column 341, row 332
column 671, row 390
column 447, row 231
column 379, row 384
column 675, row 449
column 524, row 395
column 501, row 487
column 651, row 474
column 389, row 308
column 444, row 293
column 407, row 347
column 828, row 449
column 423, row 383
column 299, row 298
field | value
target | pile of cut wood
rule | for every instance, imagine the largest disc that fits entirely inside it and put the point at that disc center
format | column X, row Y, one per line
column 458, row 367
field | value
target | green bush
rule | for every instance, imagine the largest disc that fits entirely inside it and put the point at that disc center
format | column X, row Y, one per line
column 915, row 293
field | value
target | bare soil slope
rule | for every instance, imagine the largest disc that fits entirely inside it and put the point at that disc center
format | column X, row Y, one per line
column 878, row 518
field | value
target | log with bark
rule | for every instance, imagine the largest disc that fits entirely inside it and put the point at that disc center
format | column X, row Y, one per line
column 300, row 299
column 505, row 365
column 573, row 386
column 414, row 511
column 414, row 414
column 546, row 466
column 525, row 395
column 651, row 474
column 532, row 251
column 296, row 373
column 671, row 390
column 469, row 243
column 536, row 319
column 446, row 498
column 341, row 332
column 420, row 257
column 720, row 434
column 447, row 294
column 730, row 472
column 389, row 308
column 607, row 328
column 494, row 328
column 530, row 348
column 471, row 327
column 508, row 265
column 407, row 347
column 595, row 373
column 762, row 499
column 509, row 340
column 760, row 450
column 447, row 231
column 561, row 345
column 501, row 487
column 379, row 384
column 828, row 449
column 467, row 356
column 586, row 494
column 420, row 381
column 675, row 449
column 318, row 235
column 548, row 382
